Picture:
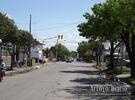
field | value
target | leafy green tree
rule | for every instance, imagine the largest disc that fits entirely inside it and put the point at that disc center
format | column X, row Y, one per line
column 73, row 54
column 53, row 50
column 101, row 25
column 62, row 51
column 83, row 49
column 88, row 50
column 113, row 21
column 25, row 40
column 46, row 52
column 8, row 33
column 7, row 29
column 125, row 15
column 121, row 14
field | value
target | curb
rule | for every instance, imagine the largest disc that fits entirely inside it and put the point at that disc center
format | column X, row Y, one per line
column 12, row 73
column 25, row 70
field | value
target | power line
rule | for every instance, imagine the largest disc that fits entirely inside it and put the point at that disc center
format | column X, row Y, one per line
column 57, row 26
column 63, row 42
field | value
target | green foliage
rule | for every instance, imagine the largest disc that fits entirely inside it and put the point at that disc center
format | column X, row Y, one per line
column 10, row 33
column 25, row 38
column 83, row 48
column 62, row 51
column 113, row 20
column 7, row 29
column 86, row 49
column 100, row 24
column 73, row 54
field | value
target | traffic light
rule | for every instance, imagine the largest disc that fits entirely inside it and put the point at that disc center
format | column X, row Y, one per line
column 61, row 37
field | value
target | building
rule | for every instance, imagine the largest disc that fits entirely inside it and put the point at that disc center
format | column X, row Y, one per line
column 37, row 53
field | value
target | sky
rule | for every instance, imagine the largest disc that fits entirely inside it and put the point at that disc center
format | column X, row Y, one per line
column 50, row 18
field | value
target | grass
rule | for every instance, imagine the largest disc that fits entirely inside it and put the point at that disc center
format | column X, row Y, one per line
column 133, row 81
column 118, row 71
column 124, row 71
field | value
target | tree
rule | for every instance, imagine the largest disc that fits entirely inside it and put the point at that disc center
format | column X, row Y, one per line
column 8, row 34
column 84, row 49
column 25, row 38
column 125, row 14
column 7, row 29
column 62, row 51
column 114, row 21
column 46, row 52
column 26, row 41
column 101, row 25
column 73, row 54
column 88, row 50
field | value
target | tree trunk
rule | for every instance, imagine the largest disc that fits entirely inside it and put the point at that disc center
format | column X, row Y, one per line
column 130, row 50
column 111, row 56
column 12, row 62
column 97, row 56
column 133, row 57
column 12, row 53
column 29, row 56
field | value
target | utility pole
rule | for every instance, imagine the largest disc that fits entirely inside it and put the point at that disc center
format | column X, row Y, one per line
column 57, row 49
column 59, row 37
column 29, row 48
column 30, row 24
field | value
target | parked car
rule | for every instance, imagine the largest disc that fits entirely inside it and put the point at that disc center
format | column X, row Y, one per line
column 126, row 62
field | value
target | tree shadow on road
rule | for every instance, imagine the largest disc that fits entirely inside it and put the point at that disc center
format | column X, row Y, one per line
column 90, row 81
column 87, row 72
column 84, row 93
column 87, row 66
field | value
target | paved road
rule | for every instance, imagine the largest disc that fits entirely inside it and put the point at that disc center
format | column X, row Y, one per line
column 59, row 81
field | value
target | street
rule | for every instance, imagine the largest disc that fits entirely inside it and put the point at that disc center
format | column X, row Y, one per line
column 57, row 81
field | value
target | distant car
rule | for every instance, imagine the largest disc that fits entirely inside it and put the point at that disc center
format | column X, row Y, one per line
column 79, row 59
column 69, row 60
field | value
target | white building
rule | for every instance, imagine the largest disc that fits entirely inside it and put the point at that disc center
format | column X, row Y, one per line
column 37, row 52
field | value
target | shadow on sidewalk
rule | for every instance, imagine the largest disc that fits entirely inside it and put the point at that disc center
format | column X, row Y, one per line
column 84, row 93
column 128, row 81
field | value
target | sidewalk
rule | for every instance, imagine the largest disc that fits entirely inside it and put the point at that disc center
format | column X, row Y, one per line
column 103, row 67
column 21, row 70
column 123, row 75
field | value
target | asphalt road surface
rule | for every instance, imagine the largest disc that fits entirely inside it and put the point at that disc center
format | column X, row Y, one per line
column 57, row 81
